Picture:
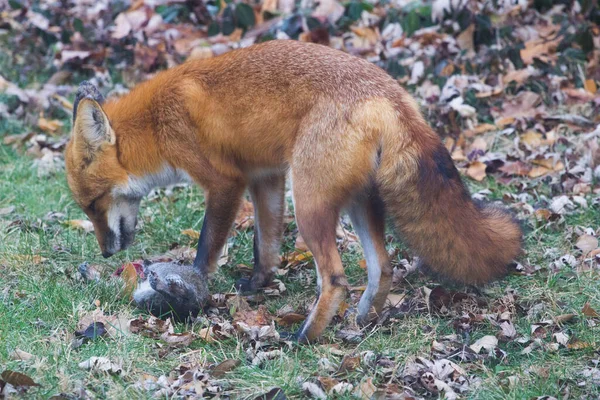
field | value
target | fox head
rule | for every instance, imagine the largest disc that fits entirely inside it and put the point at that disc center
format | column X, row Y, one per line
column 95, row 175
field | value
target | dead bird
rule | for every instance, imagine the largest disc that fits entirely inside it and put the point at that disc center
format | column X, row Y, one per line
column 171, row 290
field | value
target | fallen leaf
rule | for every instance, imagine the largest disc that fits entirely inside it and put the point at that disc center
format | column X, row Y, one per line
column 508, row 330
column 191, row 233
column 130, row 277
column 18, row 379
column 327, row 383
column 290, row 319
column 314, row 390
column 588, row 311
column 349, row 364
column 532, row 139
column 476, row 171
column 587, row 243
column 21, row 355
column 258, row 317
column 488, row 343
column 101, row 364
column 177, row 339
column 536, row 172
column 223, row 368
column 49, row 126
column 82, row 224
column 245, row 216
column 540, row 48
column 7, row 210
column 561, row 338
column 590, row 86
column 365, row 390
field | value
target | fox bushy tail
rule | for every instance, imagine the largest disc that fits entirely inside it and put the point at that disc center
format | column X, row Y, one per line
column 432, row 210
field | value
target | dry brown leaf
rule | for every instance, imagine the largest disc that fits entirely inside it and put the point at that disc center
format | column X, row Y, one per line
column 478, row 144
column 587, row 243
column 18, row 379
column 349, row 363
column 479, row 129
column 245, row 216
column 579, row 345
column 177, row 339
column 519, row 76
column 20, row 355
column 588, row 311
column 290, row 319
column 536, row 172
column 579, row 94
column 49, row 126
column 258, row 317
column 476, row 171
column 515, row 168
column 590, row 86
column 465, row 38
column 532, row 139
column 487, row 342
column 365, row 390
column 223, row 368
column 130, row 277
column 327, row 383
column 540, row 48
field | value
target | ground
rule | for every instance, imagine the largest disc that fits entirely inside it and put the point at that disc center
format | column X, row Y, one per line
column 534, row 333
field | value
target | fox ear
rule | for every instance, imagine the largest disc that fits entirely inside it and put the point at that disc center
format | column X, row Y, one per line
column 91, row 128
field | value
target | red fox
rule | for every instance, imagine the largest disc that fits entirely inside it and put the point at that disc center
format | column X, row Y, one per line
column 348, row 135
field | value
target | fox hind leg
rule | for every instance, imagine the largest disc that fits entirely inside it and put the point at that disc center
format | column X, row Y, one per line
column 368, row 219
column 317, row 227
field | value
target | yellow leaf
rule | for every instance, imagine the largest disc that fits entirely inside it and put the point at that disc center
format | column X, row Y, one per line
column 130, row 277
column 479, row 129
column 191, row 233
column 49, row 126
column 538, row 171
column 590, row 86
column 532, row 138
column 504, row 121
column 82, row 224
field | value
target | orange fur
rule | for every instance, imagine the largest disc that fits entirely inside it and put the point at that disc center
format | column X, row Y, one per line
column 346, row 130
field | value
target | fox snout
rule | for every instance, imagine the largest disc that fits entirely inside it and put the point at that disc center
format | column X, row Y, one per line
column 115, row 240
column 115, row 229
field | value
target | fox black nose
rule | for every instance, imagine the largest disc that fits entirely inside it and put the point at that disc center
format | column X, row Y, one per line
column 106, row 254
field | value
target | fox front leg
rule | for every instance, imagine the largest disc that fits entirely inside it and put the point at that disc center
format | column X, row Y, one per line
column 222, row 204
